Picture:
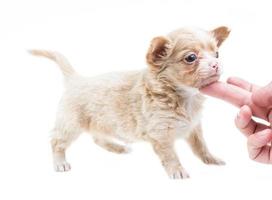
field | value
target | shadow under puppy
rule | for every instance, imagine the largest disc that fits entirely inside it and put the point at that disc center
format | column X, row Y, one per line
column 157, row 105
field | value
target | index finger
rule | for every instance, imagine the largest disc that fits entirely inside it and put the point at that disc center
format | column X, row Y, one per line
column 230, row 93
column 235, row 96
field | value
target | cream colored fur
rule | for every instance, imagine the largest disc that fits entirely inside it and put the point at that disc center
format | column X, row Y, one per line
column 157, row 105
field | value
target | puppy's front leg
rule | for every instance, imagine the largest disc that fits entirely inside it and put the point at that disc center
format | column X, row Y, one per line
column 164, row 148
column 200, row 149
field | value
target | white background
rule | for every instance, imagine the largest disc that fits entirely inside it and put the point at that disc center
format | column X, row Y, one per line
column 101, row 36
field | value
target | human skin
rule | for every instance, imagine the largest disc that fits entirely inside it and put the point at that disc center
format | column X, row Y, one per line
column 252, row 100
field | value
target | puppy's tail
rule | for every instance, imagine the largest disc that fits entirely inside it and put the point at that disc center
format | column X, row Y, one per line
column 62, row 62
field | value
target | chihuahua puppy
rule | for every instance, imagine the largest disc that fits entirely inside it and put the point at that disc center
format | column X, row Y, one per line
column 157, row 105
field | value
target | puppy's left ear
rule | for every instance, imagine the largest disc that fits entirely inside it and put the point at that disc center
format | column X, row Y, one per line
column 158, row 52
column 221, row 33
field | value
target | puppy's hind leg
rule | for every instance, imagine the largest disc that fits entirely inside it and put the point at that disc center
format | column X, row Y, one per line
column 60, row 141
column 109, row 145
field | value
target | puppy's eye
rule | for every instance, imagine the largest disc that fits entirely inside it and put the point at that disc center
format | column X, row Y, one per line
column 191, row 58
column 217, row 54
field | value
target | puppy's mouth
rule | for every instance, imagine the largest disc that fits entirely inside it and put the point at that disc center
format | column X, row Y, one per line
column 209, row 80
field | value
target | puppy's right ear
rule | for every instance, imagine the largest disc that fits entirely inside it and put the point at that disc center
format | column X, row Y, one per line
column 221, row 33
column 158, row 52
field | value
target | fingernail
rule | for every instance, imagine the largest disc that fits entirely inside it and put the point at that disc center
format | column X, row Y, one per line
column 238, row 119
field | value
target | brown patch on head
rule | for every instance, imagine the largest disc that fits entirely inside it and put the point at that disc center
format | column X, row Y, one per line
column 220, row 34
column 158, row 52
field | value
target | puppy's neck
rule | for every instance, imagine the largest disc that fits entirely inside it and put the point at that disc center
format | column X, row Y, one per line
column 186, row 91
column 158, row 84
column 163, row 85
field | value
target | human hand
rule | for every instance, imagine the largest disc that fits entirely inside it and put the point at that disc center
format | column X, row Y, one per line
column 252, row 101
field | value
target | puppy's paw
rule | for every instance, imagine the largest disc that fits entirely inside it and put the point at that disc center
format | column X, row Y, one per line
column 211, row 160
column 62, row 166
column 177, row 173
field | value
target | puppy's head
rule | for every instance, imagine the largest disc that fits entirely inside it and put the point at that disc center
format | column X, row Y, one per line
column 188, row 56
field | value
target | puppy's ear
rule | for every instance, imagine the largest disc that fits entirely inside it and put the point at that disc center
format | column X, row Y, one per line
column 158, row 52
column 221, row 33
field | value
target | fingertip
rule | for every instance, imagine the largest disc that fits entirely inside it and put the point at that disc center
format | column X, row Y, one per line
column 246, row 110
column 210, row 89
column 213, row 84
column 265, row 135
column 231, row 79
column 260, row 139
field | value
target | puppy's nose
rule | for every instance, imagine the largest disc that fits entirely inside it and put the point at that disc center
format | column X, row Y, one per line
column 214, row 66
